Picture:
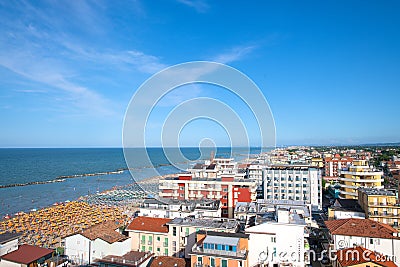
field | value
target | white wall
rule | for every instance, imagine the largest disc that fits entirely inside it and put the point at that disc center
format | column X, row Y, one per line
column 101, row 248
column 4, row 263
column 8, row 247
column 77, row 248
column 288, row 243
column 388, row 247
column 339, row 214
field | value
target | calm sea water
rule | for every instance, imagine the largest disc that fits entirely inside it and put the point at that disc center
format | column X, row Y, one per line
column 20, row 166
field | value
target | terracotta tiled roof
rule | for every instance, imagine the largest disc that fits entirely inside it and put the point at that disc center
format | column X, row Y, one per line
column 361, row 227
column 358, row 255
column 26, row 254
column 165, row 261
column 149, row 224
column 105, row 231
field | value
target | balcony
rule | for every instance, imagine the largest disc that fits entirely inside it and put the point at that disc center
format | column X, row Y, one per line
column 165, row 244
column 242, row 254
column 168, row 186
column 149, row 242
column 162, row 194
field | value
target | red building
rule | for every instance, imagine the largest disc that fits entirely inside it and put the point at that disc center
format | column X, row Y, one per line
column 333, row 166
column 228, row 189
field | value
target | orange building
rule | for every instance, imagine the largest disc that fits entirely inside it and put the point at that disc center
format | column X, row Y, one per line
column 220, row 249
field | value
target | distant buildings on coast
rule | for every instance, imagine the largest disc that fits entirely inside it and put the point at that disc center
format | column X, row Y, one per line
column 295, row 206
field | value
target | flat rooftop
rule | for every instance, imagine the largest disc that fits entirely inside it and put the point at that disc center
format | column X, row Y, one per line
column 377, row 192
column 206, row 223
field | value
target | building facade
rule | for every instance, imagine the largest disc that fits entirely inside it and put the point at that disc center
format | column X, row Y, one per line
column 228, row 189
column 375, row 236
column 380, row 205
column 183, row 231
column 293, row 182
column 150, row 235
column 333, row 165
column 220, row 249
column 359, row 174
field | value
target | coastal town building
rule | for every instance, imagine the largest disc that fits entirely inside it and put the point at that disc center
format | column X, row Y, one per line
column 8, row 242
column 182, row 232
column 228, row 189
column 246, row 213
column 150, row 235
column 380, row 205
column 358, row 174
column 333, row 165
column 130, row 259
column 361, row 257
column 27, row 256
column 281, row 233
column 96, row 242
column 344, row 209
column 173, row 208
column 220, row 249
column 293, row 182
column 372, row 235
column 216, row 168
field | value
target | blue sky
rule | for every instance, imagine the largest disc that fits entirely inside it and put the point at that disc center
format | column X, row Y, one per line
column 330, row 70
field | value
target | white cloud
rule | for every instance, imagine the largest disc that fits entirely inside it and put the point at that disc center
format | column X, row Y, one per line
column 200, row 6
column 234, row 54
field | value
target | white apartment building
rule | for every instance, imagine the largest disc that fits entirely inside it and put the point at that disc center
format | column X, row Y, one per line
column 280, row 242
column 175, row 208
column 293, row 182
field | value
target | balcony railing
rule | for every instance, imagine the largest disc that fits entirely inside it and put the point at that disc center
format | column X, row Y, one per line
column 238, row 254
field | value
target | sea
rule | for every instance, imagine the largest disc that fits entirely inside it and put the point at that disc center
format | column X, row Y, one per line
column 34, row 178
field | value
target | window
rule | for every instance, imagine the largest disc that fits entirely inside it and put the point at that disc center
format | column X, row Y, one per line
column 224, row 263
column 158, row 238
column 143, row 248
column 166, row 242
column 273, row 239
column 200, row 260
column 187, row 231
column 212, row 262
column 158, row 249
column 166, row 252
column 225, row 189
column 150, row 249
column 174, row 231
column 371, row 241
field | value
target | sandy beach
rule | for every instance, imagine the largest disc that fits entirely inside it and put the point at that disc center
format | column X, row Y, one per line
column 47, row 227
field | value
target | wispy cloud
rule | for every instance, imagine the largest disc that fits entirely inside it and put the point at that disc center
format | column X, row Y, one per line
column 200, row 6
column 234, row 54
